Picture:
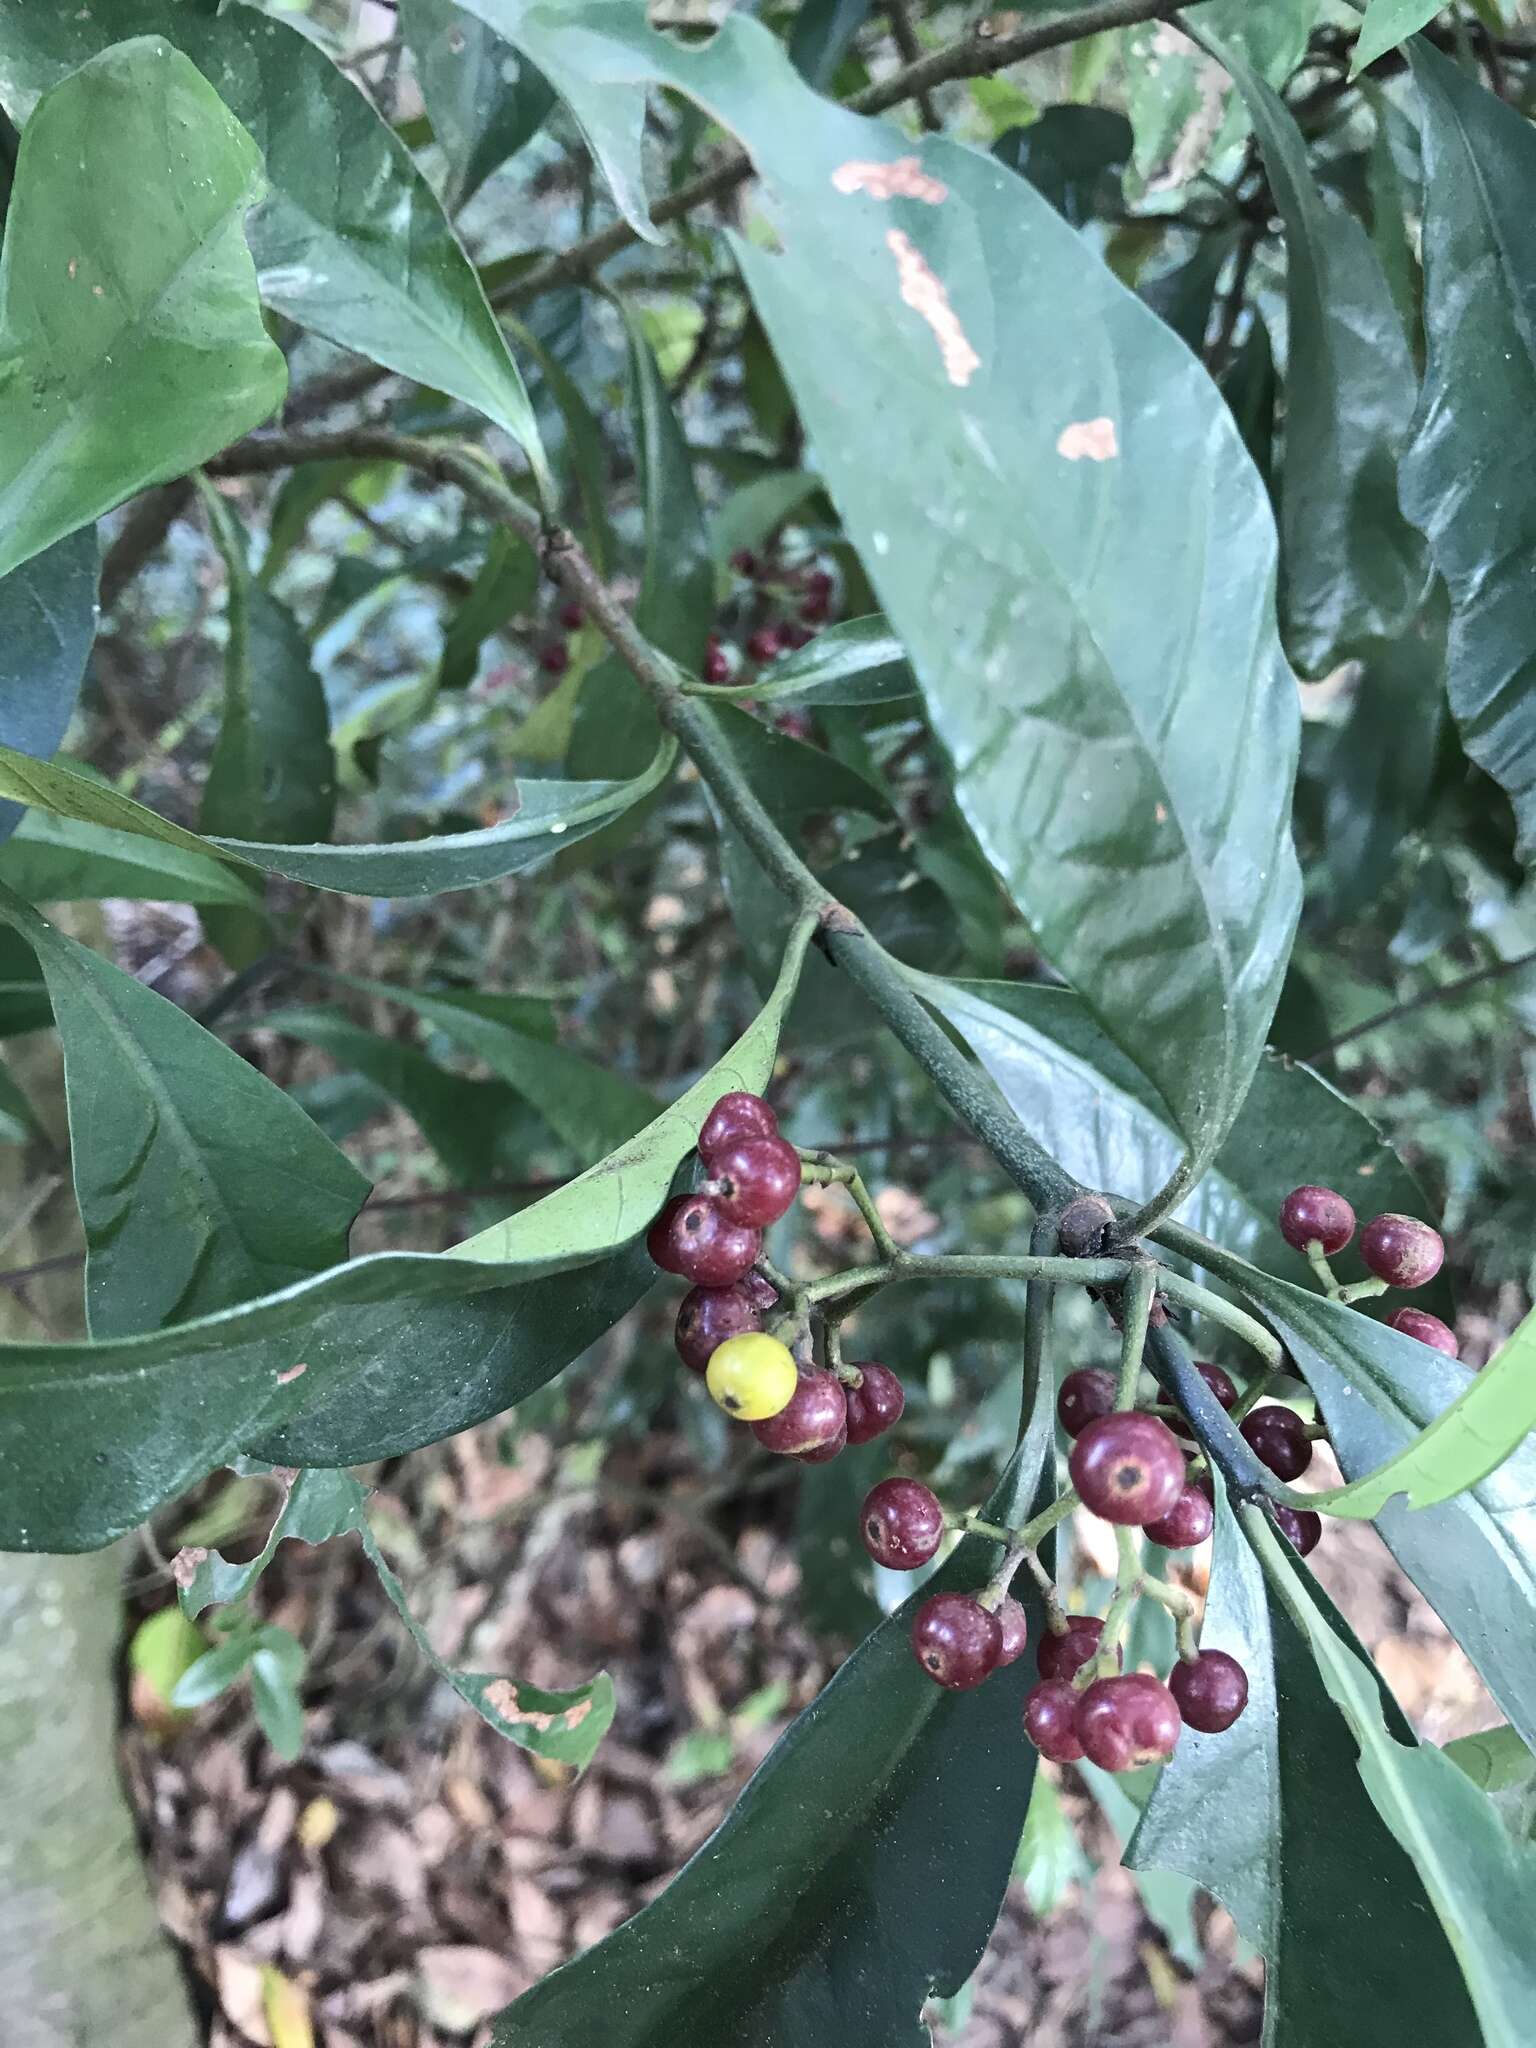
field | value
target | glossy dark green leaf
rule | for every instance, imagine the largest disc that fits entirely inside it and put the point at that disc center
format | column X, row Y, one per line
column 47, row 624
column 1473, row 1559
column 60, row 860
column 615, row 728
column 1463, row 481
column 484, row 102
column 1183, row 112
column 1482, row 1883
column 790, row 777
column 823, row 34
column 812, row 1913
column 860, row 661
column 272, row 776
column 24, row 1004
column 143, row 351
column 369, row 1360
column 1091, row 1108
column 585, row 456
column 320, row 1505
column 549, row 815
column 1073, row 156
column 351, row 241
column 479, row 1129
column 1388, row 23
column 1113, row 694
column 1272, row 1819
column 200, row 1183
column 1352, row 567
column 504, row 584
column 1250, row 386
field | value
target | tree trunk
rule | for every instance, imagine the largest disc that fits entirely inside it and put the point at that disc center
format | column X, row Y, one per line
column 83, row 1960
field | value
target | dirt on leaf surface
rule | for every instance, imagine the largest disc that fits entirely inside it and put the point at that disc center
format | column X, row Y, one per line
column 412, row 1872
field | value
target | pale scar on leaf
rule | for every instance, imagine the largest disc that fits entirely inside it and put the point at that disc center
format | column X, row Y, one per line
column 903, row 179
column 923, row 292
column 501, row 1697
column 1094, row 438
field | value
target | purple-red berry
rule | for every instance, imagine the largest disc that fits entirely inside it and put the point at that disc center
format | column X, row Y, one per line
column 1278, row 1438
column 555, row 659
column 717, row 665
column 1220, row 1384
column 1127, row 1468
column 902, row 1524
column 1401, row 1250
column 1014, row 1624
column 692, row 1238
column 875, row 1404
column 1302, row 1528
column 572, row 617
column 1050, row 1721
column 1314, row 1215
column 1188, row 1522
column 1210, row 1691
column 744, row 562
column 793, row 636
column 1059, row 1656
column 1083, row 1397
column 1418, row 1322
column 824, row 1453
column 816, row 1415
column 957, row 1642
column 1125, row 1722
column 764, row 644
column 708, row 1316
column 756, row 1180
column 734, row 1117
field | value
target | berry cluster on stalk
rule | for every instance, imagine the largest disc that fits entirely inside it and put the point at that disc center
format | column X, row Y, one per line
column 777, row 606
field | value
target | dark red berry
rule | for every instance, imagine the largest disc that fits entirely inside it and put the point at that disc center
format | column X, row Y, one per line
column 1314, row 1215
column 1188, row 1522
column 734, row 1117
column 763, row 645
column 1418, row 1322
column 760, row 1291
column 796, row 725
column 818, row 586
column 572, row 617
column 717, row 666
column 793, row 636
column 744, row 562
column 693, row 1238
column 1127, row 1468
column 957, row 1642
column 825, row 1453
column 1083, row 1397
column 1015, row 1627
column 707, row 1317
column 555, row 659
column 1220, row 1384
column 1125, row 1722
column 1301, row 1528
column 1050, row 1721
column 1060, row 1655
column 1210, row 1692
column 816, row 1415
column 1401, row 1250
column 815, row 611
column 875, row 1404
column 902, row 1524
column 1278, row 1438
column 1081, row 1226
column 756, row 1180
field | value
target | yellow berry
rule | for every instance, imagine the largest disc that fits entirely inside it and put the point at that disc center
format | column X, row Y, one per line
column 751, row 1376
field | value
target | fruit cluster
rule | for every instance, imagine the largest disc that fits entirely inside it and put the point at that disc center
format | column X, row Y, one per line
column 1398, row 1251
column 714, row 1238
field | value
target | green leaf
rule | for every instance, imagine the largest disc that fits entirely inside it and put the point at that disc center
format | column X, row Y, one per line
column 214, row 1672
column 1498, row 1763
column 304, row 490
column 754, row 511
column 1463, row 482
column 369, row 1360
column 860, row 661
column 549, row 816
column 609, row 111
column 18, row 1125
column 1073, row 157
column 1466, row 1442
column 317, row 1505
column 200, row 1183
column 585, row 453
column 1050, row 1858
column 47, row 624
column 1352, row 565
column 271, row 776
column 163, row 1649
column 1473, row 1558
column 351, row 241
column 274, row 1695
column 1121, row 719
column 1388, row 23
column 131, row 342
column 1179, row 104
column 504, row 585
column 60, row 860
column 1091, row 1109
column 484, row 103
column 1272, row 1819
column 883, row 1780
column 823, row 34
column 1482, row 1884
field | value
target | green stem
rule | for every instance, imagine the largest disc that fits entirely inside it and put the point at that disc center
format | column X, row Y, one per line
column 1128, row 1583
column 1029, row 1535
column 1317, row 1259
column 1361, row 1290
column 1038, row 1309
column 820, row 1169
column 1191, row 1295
column 1136, row 1301
column 1255, row 1394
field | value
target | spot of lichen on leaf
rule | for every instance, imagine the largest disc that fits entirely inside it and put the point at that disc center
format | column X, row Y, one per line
column 1095, row 439
column 903, row 179
column 923, row 292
